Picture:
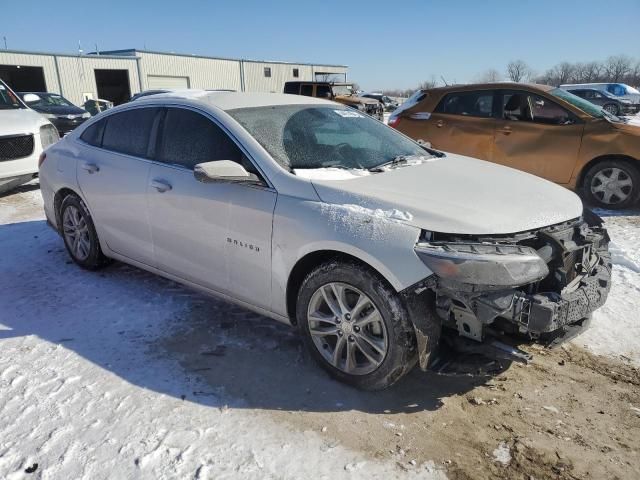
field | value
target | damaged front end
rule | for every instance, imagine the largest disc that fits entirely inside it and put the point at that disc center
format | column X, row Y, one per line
column 538, row 283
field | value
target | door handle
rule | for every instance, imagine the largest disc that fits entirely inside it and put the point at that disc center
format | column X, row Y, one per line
column 506, row 130
column 90, row 167
column 160, row 185
column 439, row 124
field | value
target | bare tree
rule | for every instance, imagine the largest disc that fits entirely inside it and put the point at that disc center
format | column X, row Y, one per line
column 618, row 67
column 490, row 75
column 518, row 70
column 427, row 84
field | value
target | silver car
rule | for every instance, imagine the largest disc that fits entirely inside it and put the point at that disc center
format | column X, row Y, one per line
column 314, row 214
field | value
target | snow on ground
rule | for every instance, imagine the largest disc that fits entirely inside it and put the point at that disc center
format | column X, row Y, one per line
column 85, row 395
column 615, row 329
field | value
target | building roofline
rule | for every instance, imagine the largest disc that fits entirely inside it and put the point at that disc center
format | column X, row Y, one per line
column 134, row 51
column 58, row 54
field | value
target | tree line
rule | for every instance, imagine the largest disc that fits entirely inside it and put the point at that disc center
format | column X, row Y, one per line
column 615, row 69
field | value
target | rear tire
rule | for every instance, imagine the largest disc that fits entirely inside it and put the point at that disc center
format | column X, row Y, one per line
column 612, row 184
column 612, row 108
column 369, row 327
column 79, row 234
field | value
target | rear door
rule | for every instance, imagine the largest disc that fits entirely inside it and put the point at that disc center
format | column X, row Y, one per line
column 113, row 178
column 537, row 135
column 462, row 123
column 217, row 235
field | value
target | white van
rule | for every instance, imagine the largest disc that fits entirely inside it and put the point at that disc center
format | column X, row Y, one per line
column 24, row 134
column 619, row 90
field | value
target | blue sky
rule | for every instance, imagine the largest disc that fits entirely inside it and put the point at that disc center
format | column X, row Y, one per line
column 392, row 44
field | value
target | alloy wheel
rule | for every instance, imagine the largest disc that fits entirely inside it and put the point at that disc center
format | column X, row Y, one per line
column 611, row 185
column 611, row 108
column 347, row 328
column 76, row 233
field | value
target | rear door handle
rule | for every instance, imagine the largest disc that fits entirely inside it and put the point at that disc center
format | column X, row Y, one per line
column 506, row 130
column 160, row 185
column 90, row 167
column 439, row 124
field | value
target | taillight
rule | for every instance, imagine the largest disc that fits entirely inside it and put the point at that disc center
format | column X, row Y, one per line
column 41, row 159
column 394, row 121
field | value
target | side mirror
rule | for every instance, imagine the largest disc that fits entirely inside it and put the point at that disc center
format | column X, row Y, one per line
column 31, row 97
column 221, row 171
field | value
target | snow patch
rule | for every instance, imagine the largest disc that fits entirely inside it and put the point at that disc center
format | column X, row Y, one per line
column 331, row 173
column 502, row 454
column 393, row 214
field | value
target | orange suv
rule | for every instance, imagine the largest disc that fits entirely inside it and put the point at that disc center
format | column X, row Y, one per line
column 539, row 129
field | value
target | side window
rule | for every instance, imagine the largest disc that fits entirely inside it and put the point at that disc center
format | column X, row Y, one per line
column 617, row 90
column 93, row 134
column 291, row 88
column 472, row 104
column 190, row 138
column 323, row 91
column 529, row 107
column 128, row 132
column 306, row 90
column 267, row 72
column 296, row 72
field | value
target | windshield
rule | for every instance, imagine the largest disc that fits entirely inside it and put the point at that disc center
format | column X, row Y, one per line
column 584, row 105
column 48, row 100
column 8, row 101
column 342, row 89
column 305, row 136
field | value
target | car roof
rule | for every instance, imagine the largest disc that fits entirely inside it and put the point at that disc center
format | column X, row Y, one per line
column 496, row 85
column 233, row 100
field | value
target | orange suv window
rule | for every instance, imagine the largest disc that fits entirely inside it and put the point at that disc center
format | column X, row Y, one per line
column 473, row 104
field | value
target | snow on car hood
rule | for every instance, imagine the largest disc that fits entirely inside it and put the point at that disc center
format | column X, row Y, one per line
column 457, row 194
column 20, row 120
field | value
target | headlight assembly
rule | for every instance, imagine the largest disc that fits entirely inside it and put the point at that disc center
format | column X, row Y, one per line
column 483, row 264
column 48, row 135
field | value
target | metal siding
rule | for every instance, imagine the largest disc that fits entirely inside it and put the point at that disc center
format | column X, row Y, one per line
column 203, row 73
column 78, row 74
column 28, row 60
column 255, row 81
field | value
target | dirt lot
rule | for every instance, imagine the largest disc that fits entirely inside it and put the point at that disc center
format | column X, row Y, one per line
column 566, row 415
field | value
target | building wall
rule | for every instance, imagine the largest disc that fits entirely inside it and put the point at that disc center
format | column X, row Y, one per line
column 205, row 73
column 255, row 81
column 77, row 75
column 47, row 63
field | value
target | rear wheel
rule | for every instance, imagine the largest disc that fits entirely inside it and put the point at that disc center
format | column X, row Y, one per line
column 611, row 108
column 355, row 326
column 79, row 234
column 612, row 184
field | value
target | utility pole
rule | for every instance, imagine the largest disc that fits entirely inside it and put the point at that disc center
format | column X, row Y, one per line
column 5, row 42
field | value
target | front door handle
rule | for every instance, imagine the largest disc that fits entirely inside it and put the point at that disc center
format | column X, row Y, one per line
column 439, row 124
column 160, row 185
column 90, row 167
column 506, row 130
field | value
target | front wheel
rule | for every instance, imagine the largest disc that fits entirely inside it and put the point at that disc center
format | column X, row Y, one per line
column 612, row 108
column 356, row 326
column 612, row 184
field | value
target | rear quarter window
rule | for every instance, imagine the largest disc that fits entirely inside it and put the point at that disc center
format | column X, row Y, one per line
column 93, row 133
column 472, row 104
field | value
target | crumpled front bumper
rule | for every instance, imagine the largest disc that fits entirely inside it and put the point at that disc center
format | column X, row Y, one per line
column 547, row 312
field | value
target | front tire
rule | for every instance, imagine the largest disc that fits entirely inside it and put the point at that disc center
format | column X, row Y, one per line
column 613, row 184
column 612, row 108
column 355, row 326
column 79, row 234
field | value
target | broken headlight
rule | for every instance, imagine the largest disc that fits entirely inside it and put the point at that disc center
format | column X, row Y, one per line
column 483, row 263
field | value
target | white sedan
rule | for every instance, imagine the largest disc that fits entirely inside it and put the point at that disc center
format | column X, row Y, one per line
column 317, row 215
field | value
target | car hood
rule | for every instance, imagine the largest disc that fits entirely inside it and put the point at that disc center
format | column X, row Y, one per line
column 61, row 110
column 20, row 120
column 456, row 194
column 351, row 99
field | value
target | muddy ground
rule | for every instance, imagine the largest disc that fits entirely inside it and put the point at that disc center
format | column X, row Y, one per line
column 566, row 415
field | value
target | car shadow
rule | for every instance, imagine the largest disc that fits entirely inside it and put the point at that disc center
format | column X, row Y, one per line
column 26, row 187
column 160, row 336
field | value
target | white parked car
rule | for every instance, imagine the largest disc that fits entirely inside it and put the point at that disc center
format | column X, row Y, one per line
column 24, row 134
column 314, row 214
column 628, row 95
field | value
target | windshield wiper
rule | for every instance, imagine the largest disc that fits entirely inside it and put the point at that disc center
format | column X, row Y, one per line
column 400, row 160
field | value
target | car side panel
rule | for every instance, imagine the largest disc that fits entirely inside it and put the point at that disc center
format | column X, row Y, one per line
column 301, row 227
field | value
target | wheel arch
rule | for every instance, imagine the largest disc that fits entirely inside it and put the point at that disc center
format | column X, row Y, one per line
column 620, row 157
column 310, row 261
column 58, row 197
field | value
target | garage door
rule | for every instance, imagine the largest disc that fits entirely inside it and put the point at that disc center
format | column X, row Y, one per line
column 157, row 82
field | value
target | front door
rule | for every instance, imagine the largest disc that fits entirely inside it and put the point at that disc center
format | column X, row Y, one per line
column 113, row 180
column 461, row 123
column 536, row 135
column 217, row 235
